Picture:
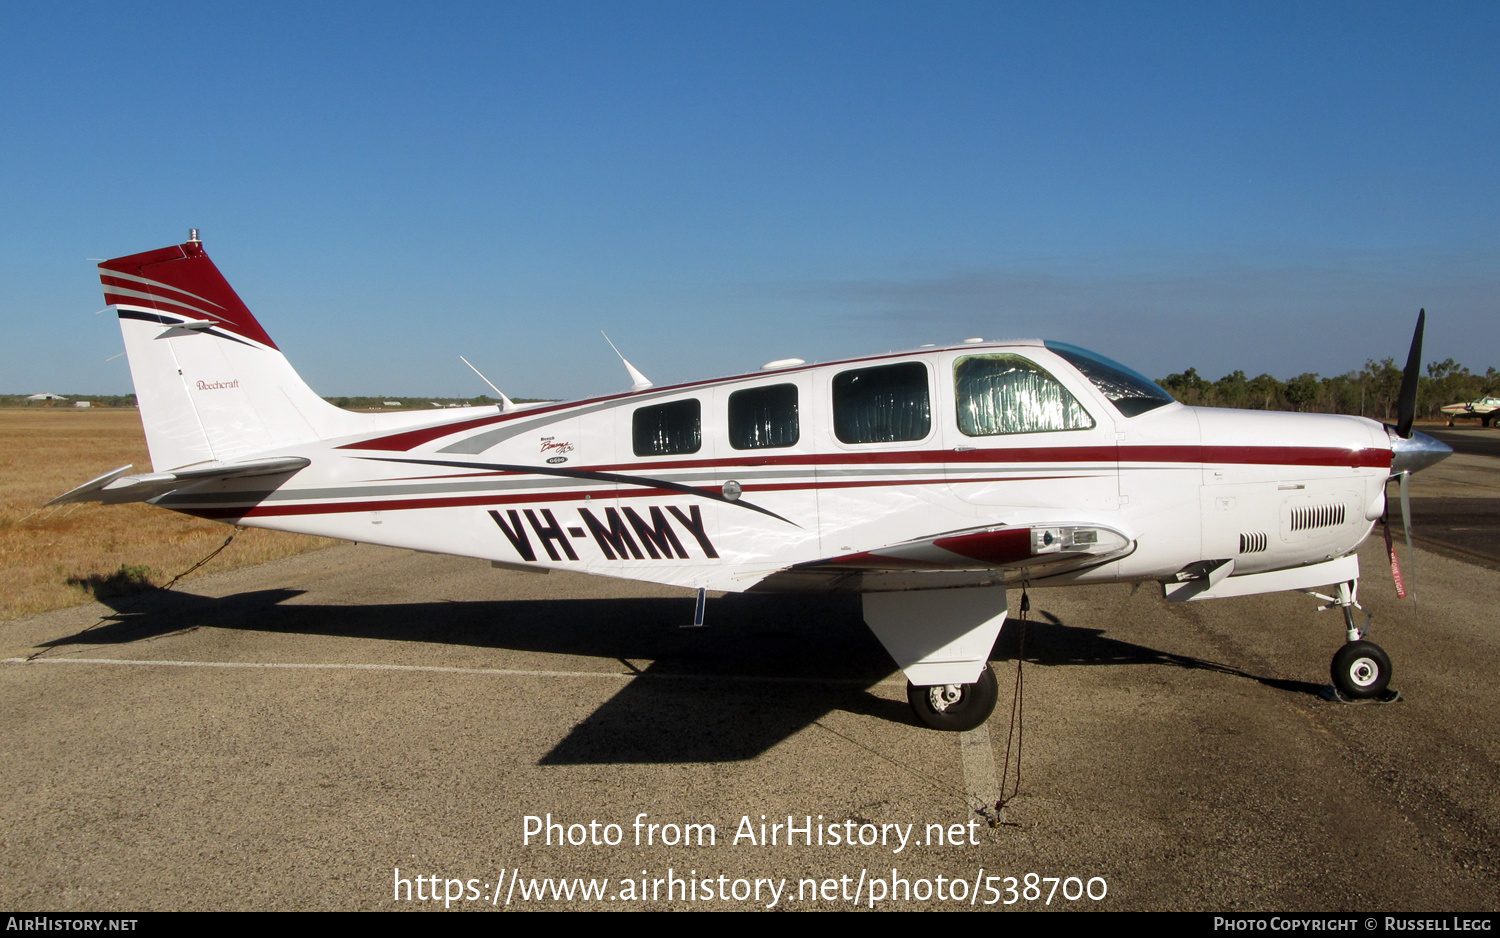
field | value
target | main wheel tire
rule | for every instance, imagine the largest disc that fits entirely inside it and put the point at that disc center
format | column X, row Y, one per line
column 955, row 707
column 1361, row 670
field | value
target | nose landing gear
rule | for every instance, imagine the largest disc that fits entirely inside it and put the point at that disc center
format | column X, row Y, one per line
column 1360, row 670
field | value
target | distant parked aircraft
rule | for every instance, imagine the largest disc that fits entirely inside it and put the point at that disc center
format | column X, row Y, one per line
column 1484, row 408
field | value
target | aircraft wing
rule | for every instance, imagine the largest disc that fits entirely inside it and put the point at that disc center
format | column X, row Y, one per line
column 117, row 487
column 969, row 557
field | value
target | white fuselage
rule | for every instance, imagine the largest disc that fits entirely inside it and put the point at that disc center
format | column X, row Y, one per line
column 715, row 505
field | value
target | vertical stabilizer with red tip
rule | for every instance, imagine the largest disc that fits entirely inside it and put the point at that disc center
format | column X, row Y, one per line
column 211, row 384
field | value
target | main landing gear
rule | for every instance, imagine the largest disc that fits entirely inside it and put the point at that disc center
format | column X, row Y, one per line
column 942, row 638
column 1361, row 670
column 955, row 707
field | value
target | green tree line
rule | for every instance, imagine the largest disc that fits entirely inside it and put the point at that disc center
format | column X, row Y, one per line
column 1373, row 391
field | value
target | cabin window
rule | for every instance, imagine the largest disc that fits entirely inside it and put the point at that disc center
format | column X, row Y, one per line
column 668, row 429
column 764, row 418
column 1008, row 394
column 885, row 404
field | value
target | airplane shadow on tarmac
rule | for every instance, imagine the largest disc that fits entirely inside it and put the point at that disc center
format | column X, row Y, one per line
column 764, row 668
column 1050, row 642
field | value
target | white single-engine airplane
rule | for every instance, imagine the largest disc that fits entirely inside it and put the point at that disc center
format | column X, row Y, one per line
column 926, row 480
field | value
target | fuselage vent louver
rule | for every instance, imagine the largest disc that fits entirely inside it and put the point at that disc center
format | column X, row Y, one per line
column 1307, row 517
column 1253, row 542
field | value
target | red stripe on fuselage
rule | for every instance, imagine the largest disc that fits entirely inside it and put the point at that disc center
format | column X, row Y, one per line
column 1190, row 455
column 403, row 442
column 409, row 504
column 459, row 501
column 1281, row 455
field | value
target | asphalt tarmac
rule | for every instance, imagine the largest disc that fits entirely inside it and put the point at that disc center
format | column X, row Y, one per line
column 361, row 728
column 1456, row 506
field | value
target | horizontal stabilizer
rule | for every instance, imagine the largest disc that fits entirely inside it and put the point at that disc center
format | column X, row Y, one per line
column 115, row 487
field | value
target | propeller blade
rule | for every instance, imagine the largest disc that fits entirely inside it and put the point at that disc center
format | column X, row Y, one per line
column 1411, row 554
column 1408, row 409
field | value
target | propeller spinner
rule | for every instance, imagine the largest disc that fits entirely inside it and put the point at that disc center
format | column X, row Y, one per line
column 1411, row 451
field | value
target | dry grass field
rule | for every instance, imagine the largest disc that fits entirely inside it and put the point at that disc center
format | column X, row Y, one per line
column 57, row 557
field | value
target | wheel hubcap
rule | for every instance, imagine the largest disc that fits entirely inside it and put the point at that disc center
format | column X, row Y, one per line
column 1363, row 672
column 944, row 696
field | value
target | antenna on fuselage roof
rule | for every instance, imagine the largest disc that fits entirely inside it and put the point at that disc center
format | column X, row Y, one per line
column 639, row 381
column 506, row 404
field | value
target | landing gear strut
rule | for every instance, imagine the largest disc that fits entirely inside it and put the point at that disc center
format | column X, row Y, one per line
column 1360, row 670
column 955, row 707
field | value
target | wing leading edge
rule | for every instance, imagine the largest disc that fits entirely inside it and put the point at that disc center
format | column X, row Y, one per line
column 971, row 557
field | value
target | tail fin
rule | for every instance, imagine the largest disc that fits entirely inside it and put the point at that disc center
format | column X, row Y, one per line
column 211, row 384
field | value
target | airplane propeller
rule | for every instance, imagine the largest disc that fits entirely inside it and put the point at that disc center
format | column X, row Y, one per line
column 1410, row 450
column 1407, row 412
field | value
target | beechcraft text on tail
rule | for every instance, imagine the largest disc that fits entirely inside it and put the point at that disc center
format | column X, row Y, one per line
column 925, row 480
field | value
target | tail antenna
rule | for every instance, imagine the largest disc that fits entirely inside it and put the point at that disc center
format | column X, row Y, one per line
column 639, row 382
column 506, row 404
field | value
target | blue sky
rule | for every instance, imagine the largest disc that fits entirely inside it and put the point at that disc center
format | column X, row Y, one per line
column 1260, row 186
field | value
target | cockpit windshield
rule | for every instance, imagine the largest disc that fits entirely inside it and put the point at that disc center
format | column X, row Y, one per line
column 1131, row 392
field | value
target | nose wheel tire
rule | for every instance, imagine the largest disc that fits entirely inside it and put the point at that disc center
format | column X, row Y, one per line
column 955, row 707
column 1361, row 670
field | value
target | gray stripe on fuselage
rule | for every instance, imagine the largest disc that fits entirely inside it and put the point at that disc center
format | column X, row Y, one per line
column 377, row 489
column 368, row 491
